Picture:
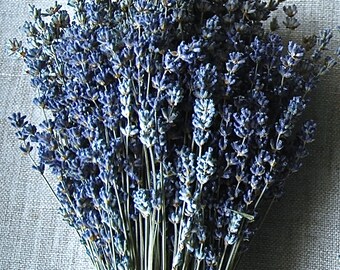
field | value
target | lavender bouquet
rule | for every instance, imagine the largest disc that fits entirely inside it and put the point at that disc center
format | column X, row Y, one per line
column 170, row 126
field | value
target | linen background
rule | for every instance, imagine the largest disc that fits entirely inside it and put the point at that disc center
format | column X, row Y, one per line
column 301, row 232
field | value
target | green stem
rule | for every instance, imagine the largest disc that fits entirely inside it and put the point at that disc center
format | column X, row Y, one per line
column 141, row 241
column 260, row 197
column 113, row 248
column 175, row 241
column 282, row 80
column 232, row 256
column 177, row 235
column 94, row 261
column 223, row 255
column 146, row 233
column 120, row 209
column 152, row 236
column 186, row 260
column 153, row 166
column 164, row 255
column 146, row 158
column 44, row 177
column 231, row 261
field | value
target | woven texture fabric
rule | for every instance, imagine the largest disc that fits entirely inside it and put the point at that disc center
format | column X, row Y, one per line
column 300, row 233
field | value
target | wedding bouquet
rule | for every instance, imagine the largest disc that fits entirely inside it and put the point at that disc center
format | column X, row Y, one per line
column 171, row 126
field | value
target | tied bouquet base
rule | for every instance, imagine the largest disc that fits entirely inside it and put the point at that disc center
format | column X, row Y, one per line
column 167, row 123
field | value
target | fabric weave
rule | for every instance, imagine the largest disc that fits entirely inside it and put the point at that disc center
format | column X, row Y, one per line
column 300, row 233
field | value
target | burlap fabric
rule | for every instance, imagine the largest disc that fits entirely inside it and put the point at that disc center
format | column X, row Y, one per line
column 300, row 233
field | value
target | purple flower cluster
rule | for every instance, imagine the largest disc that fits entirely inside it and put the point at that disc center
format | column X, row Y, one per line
column 167, row 123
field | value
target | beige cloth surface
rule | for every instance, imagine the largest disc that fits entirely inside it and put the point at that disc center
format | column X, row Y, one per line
column 301, row 232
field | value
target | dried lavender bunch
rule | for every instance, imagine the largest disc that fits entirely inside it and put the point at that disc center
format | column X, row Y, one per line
column 167, row 123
